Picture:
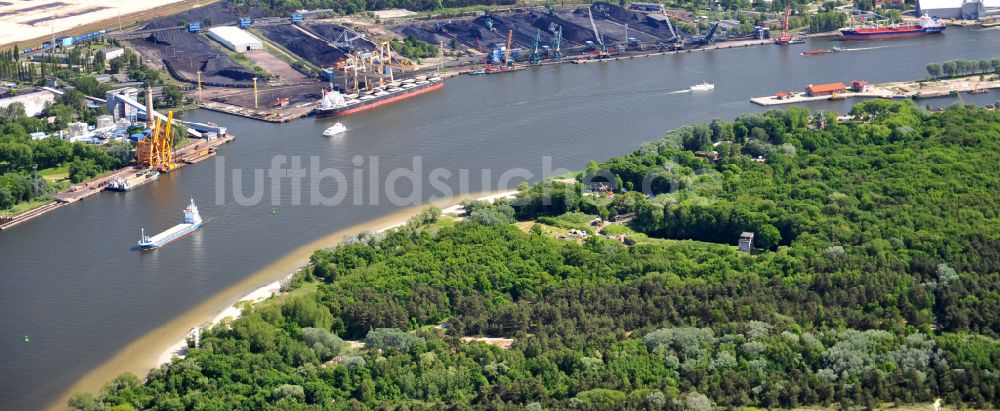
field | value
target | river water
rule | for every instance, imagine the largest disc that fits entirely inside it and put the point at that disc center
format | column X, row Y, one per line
column 71, row 281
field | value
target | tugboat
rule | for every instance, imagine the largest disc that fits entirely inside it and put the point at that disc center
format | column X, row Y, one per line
column 192, row 220
column 816, row 52
column 119, row 184
column 334, row 130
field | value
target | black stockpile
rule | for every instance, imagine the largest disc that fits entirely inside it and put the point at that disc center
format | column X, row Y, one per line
column 220, row 13
column 333, row 32
column 315, row 51
column 639, row 21
column 423, row 34
column 185, row 54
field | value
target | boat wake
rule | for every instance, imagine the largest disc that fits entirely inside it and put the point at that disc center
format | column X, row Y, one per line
column 865, row 48
column 678, row 92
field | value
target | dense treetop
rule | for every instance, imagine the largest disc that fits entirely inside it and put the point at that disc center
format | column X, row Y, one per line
column 875, row 281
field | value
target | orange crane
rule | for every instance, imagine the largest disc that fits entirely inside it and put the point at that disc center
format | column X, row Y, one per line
column 785, row 37
column 506, row 56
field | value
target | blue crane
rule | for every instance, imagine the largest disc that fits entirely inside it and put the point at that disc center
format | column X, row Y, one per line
column 558, row 40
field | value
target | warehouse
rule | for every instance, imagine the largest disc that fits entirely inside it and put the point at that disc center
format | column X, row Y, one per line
column 235, row 39
column 952, row 9
column 825, row 89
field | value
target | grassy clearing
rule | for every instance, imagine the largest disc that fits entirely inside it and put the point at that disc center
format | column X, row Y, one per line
column 26, row 206
column 54, row 173
column 570, row 221
column 303, row 288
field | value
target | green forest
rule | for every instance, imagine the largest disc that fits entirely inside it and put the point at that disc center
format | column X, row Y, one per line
column 874, row 281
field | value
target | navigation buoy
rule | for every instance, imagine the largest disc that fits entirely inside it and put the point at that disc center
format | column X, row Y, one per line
column 26, row 338
column 274, row 211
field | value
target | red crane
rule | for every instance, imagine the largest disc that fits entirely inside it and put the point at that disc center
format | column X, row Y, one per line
column 785, row 37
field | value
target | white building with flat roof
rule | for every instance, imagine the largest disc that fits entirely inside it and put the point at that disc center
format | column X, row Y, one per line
column 235, row 38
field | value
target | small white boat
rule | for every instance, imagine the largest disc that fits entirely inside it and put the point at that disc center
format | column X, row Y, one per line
column 335, row 129
column 704, row 86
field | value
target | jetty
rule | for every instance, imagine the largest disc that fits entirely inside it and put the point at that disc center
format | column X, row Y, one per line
column 900, row 89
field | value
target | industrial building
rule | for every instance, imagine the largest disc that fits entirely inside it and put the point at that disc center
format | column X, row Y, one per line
column 959, row 9
column 235, row 39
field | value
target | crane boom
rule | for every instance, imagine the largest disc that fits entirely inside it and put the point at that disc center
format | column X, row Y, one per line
column 788, row 13
column 593, row 25
column 785, row 37
column 534, row 47
column 669, row 25
column 506, row 56
column 558, row 40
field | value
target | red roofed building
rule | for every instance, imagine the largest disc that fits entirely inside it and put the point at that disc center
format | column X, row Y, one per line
column 825, row 89
column 859, row 85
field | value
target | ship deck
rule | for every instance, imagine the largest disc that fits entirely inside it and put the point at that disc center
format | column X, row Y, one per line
column 170, row 233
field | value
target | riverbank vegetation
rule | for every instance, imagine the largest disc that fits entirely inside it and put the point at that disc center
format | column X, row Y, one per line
column 964, row 67
column 414, row 49
column 875, row 281
column 21, row 155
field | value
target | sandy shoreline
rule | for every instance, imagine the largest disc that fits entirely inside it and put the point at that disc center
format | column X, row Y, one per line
column 160, row 344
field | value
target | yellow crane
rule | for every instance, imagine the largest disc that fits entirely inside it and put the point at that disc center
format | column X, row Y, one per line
column 157, row 150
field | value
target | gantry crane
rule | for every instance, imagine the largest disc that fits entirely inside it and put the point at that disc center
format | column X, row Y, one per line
column 157, row 150
column 376, row 65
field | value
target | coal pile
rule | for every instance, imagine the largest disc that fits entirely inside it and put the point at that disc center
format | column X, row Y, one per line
column 476, row 33
column 315, row 51
column 571, row 31
column 219, row 14
column 525, row 26
column 185, row 54
column 333, row 33
column 425, row 35
column 635, row 20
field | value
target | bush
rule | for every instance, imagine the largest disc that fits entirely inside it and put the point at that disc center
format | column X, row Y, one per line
column 391, row 338
column 322, row 342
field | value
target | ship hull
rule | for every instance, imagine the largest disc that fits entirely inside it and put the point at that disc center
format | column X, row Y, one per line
column 853, row 34
column 376, row 102
column 176, row 232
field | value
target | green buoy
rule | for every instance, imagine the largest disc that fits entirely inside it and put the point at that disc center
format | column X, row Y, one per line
column 274, row 211
column 26, row 338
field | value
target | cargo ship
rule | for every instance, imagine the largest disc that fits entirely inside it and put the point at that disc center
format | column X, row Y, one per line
column 879, row 31
column 334, row 103
column 192, row 220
